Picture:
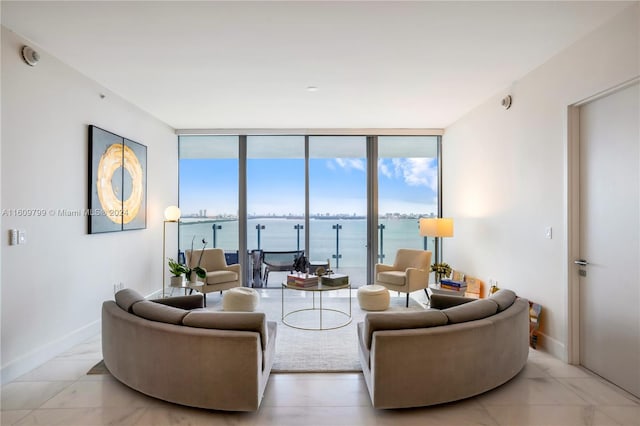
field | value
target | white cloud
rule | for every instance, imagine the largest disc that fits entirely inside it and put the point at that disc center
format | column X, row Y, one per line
column 414, row 171
column 383, row 169
column 351, row 163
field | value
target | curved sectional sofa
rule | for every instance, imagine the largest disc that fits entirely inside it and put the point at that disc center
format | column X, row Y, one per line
column 457, row 349
column 173, row 350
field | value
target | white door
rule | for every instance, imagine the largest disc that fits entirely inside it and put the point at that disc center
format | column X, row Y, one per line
column 610, row 238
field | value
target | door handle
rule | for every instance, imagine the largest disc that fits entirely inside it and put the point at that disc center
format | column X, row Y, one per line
column 581, row 262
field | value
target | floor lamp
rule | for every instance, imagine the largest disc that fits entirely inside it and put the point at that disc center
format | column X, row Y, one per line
column 436, row 227
column 171, row 214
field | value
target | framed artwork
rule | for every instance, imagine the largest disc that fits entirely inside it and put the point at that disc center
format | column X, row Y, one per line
column 457, row 275
column 117, row 182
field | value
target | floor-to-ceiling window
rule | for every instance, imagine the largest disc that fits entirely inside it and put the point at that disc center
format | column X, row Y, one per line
column 208, row 192
column 311, row 193
column 407, row 190
column 275, row 196
column 338, row 204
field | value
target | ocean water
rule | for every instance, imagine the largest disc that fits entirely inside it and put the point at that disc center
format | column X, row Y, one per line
column 350, row 242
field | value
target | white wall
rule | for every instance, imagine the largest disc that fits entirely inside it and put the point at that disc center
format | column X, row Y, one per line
column 53, row 287
column 505, row 173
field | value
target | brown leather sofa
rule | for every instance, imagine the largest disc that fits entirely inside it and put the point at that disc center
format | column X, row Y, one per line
column 174, row 350
column 463, row 348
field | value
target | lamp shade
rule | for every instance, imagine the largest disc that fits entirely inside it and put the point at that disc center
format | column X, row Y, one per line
column 172, row 214
column 436, row 227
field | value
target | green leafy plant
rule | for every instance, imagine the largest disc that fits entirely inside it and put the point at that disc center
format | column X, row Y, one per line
column 176, row 268
column 442, row 269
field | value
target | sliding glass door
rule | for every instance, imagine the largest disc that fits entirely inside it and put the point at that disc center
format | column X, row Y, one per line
column 275, row 196
column 338, row 204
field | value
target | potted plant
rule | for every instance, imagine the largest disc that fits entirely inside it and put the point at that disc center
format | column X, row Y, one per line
column 178, row 272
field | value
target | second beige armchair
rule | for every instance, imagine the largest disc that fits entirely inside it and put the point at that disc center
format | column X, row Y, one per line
column 409, row 272
column 220, row 276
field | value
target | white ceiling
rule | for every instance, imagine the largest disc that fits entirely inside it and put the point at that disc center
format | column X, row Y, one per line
column 377, row 64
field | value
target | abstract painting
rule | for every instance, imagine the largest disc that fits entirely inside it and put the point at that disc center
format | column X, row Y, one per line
column 117, row 182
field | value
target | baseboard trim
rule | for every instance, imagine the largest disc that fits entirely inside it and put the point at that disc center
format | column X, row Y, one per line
column 552, row 346
column 40, row 355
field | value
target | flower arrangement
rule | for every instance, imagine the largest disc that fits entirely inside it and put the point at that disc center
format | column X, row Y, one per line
column 200, row 272
column 441, row 269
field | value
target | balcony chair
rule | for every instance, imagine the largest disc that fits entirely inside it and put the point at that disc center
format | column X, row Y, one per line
column 220, row 276
column 409, row 272
column 279, row 261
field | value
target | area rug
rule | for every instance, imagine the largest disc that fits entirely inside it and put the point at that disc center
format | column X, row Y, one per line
column 311, row 350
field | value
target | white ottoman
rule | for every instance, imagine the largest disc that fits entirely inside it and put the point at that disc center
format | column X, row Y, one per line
column 373, row 298
column 243, row 299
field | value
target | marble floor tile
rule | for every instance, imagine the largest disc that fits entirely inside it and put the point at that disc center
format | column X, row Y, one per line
column 532, row 370
column 453, row 414
column 87, row 350
column 97, row 378
column 316, row 392
column 597, row 392
column 82, row 416
column 556, row 368
column 179, row 415
column 106, row 393
column 549, row 415
column 29, row 395
column 625, row 415
column 58, row 369
column 531, row 391
column 546, row 392
column 10, row 417
column 315, row 416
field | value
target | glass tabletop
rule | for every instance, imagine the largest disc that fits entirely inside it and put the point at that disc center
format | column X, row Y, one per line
column 315, row 287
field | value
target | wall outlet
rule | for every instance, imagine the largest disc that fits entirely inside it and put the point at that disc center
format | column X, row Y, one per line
column 13, row 237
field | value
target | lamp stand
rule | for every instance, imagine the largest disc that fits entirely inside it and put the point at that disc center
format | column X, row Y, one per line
column 164, row 249
column 436, row 249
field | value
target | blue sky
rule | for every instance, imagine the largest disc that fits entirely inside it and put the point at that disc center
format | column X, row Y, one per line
column 337, row 186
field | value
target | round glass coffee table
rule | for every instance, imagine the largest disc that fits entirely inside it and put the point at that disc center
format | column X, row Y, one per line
column 320, row 290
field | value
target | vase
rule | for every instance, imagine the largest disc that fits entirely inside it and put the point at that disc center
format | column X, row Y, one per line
column 177, row 281
column 193, row 277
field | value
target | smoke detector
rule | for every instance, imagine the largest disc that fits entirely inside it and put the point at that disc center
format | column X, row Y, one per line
column 506, row 102
column 30, row 56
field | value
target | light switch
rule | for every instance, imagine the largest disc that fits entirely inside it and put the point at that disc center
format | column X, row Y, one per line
column 548, row 232
column 22, row 236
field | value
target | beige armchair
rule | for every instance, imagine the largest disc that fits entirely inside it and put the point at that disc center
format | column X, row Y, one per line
column 409, row 272
column 220, row 276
